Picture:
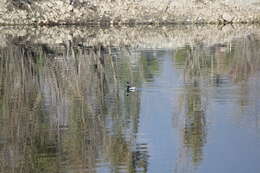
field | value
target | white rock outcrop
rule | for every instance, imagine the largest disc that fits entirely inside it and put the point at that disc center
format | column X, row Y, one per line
column 128, row 11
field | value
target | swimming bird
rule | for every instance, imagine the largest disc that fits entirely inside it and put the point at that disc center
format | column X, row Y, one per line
column 130, row 88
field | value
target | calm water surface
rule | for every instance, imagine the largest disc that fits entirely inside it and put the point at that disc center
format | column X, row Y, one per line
column 65, row 109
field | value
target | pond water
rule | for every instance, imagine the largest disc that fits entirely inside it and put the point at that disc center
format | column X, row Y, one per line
column 65, row 108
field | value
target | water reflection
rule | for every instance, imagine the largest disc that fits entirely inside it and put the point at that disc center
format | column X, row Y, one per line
column 193, row 105
column 64, row 108
column 229, row 67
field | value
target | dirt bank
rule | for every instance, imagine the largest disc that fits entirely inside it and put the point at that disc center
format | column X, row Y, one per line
column 118, row 12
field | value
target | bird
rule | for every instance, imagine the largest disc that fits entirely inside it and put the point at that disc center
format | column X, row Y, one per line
column 130, row 88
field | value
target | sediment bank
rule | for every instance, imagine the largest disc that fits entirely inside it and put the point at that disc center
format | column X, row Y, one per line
column 120, row 12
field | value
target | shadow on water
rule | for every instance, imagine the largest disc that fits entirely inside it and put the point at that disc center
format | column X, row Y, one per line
column 64, row 108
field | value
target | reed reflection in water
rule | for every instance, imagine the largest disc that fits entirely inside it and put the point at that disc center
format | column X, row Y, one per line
column 220, row 76
column 65, row 108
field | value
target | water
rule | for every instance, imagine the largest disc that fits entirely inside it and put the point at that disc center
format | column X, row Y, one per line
column 65, row 108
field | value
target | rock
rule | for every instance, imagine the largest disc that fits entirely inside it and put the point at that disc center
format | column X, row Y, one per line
column 227, row 17
column 180, row 10
column 70, row 7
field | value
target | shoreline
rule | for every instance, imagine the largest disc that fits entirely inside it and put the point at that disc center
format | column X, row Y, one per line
column 172, row 36
column 119, row 12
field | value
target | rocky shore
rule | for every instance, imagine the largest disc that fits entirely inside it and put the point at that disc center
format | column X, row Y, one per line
column 127, row 12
